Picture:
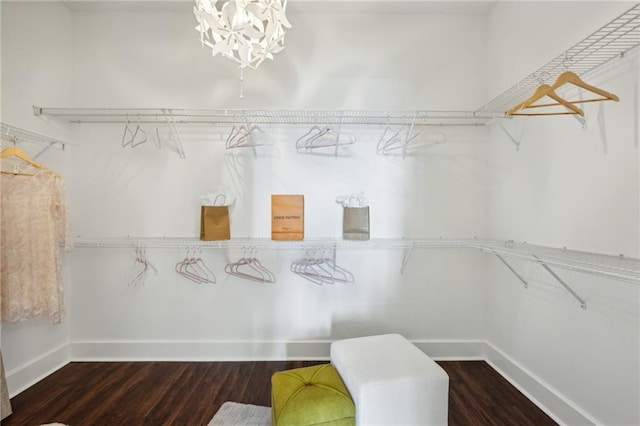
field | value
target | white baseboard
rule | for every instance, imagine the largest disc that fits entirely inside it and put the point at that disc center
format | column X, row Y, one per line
column 452, row 350
column 540, row 393
column 244, row 350
column 184, row 350
column 25, row 376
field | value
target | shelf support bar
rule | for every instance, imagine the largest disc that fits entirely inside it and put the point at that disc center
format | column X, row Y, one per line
column 250, row 133
column 510, row 136
column 526, row 284
column 45, row 149
column 581, row 120
column 338, row 134
column 583, row 304
column 409, row 138
column 405, row 259
column 174, row 135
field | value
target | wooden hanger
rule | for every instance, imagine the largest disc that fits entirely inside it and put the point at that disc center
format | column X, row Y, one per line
column 569, row 77
column 14, row 151
column 541, row 92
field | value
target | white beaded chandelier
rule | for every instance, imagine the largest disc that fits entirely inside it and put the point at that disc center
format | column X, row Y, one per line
column 246, row 31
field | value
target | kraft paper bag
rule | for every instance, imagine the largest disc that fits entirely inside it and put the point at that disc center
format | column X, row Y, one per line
column 355, row 223
column 214, row 223
column 287, row 217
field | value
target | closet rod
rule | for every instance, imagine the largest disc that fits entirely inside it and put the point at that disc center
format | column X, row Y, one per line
column 276, row 116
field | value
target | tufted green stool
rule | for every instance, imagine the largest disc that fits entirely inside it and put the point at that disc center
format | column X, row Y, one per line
column 310, row 396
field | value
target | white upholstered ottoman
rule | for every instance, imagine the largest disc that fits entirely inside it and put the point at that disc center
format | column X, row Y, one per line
column 391, row 381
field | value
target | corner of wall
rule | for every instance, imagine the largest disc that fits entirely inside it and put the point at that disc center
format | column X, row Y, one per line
column 25, row 376
column 540, row 393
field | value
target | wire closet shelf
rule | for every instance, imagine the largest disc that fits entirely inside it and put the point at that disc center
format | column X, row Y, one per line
column 614, row 40
column 618, row 38
column 267, row 243
column 227, row 117
column 18, row 135
column 620, row 268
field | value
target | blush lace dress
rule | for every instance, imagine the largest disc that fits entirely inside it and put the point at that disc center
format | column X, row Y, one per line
column 33, row 226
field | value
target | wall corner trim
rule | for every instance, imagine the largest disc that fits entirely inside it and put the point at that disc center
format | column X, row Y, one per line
column 21, row 378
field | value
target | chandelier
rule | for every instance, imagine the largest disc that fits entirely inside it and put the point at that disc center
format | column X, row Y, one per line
column 245, row 31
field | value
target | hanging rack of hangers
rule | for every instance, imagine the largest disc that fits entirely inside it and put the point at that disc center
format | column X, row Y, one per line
column 610, row 43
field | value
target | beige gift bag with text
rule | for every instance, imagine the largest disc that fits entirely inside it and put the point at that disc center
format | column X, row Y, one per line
column 287, row 217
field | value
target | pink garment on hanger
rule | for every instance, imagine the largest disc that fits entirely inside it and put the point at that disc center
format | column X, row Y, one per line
column 33, row 225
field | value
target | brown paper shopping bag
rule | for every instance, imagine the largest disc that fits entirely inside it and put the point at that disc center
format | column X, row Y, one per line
column 287, row 217
column 355, row 223
column 214, row 223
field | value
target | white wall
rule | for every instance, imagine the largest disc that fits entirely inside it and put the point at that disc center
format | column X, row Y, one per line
column 467, row 187
column 152, row 59
column 573, row 188
column 36, row 69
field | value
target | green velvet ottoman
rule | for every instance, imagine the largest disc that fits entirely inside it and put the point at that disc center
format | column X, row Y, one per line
column 310, row 396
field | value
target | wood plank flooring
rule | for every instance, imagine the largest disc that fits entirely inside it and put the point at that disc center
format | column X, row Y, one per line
column 190, row 393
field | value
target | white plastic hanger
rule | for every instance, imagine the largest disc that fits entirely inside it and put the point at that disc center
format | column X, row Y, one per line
column 140, row 267
column 250, row 268
column 247, row 137
column 194, row 269
column 323, row 137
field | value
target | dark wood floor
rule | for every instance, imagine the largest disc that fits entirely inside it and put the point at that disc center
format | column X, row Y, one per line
column 189, row 393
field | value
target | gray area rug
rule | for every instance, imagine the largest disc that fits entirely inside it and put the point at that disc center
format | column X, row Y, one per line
column 237, row 414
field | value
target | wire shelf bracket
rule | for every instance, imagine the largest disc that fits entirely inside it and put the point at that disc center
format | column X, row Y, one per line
column 526, row 284
column 405, row 259
column 583, row 304
column 512, row 138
